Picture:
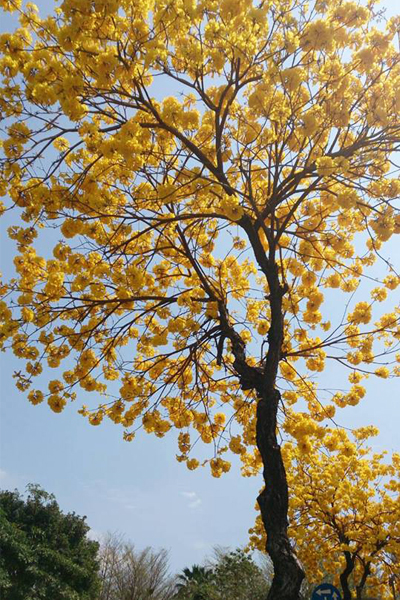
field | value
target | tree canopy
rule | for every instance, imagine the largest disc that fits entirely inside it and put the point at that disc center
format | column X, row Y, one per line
column 214, row 175
column 44, row 553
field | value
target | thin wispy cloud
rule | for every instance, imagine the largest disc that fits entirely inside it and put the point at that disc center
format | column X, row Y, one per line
column 194, row 500
column 190, row 495
column 123, row 497
column 195, row 503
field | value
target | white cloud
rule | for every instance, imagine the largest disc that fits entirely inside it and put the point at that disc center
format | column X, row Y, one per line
column 195, row 501
column 190, row 495
column 3, row 474
column 124, row 497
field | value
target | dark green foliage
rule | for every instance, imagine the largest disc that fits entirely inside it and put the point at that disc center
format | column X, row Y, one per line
column 238, row 577
column 232, row 576
column 196, row 583
column 44, row 553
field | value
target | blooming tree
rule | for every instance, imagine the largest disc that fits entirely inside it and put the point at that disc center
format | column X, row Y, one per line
column 215, row 173
column 344, row 513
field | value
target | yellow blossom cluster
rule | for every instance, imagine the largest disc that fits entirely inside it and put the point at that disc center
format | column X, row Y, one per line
column 345, row 498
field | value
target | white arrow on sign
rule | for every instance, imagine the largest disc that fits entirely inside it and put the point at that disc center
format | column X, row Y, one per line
column 327, row 593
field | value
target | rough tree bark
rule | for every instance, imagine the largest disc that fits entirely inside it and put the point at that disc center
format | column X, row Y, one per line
column 344, row 576
column 273, row 500
column 273, row 503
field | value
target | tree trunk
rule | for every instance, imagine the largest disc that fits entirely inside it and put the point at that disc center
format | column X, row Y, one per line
column 274, row 499
column 273, row 503
column 361, row 585
column 344, row 576
column 393, row 585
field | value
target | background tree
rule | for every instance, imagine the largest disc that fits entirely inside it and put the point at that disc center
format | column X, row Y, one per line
column 232, row 575
column 44, row 553
column 238, row 577
column 196, row 583
column 197, row 231
column 345, row 513
column 129, row 574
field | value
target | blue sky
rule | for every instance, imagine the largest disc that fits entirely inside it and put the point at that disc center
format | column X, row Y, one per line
column 138, row 488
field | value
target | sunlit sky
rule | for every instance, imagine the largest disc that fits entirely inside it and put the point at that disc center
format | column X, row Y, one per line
column 138, row 488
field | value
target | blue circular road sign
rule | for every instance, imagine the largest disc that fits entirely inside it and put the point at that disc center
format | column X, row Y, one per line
column 326, row 591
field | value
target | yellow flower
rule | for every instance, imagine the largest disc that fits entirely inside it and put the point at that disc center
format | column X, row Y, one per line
column 391, row 281
column 382, row 372
column 304, row 446
column 231, row 208
column 56, row 403
column 35, row 397
column 317, row 36
column 219, row 466
column 361, row 313
column 55, row 386
column 312, row 317
column 192, row 464
column 325, row 166
column 96, row 418
column 379, row 294
column 263, row 327
column 333, row 281
column 355, row 377
column 219, row 418
column 27, row 314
